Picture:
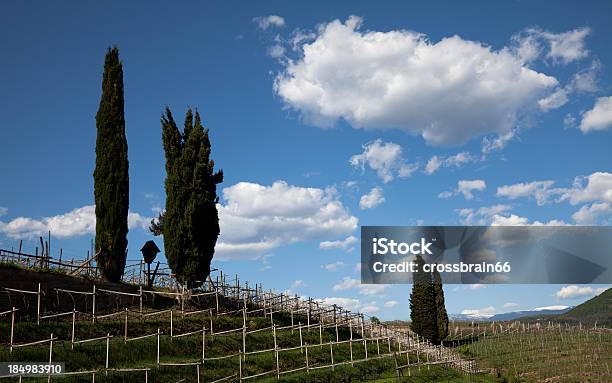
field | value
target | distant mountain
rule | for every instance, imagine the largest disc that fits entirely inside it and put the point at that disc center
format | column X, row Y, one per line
column 542, row 311
column 468, row 317
column 597, row 309
column 529, row 313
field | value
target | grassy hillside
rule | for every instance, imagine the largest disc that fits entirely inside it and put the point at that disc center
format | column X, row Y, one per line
column 597, row 309
column 142, row 353
column 222, row 346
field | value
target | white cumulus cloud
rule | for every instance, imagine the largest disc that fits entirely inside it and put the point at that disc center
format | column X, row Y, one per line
column 448, row 91
column 346, row 244
column 598, row 118
column 589, row 214
column 466, row 188
column 385, row 158
column 563, row 47
column 573, row 292
column 256, row 219
column 540, row 190
column 483, row 215
column 372, row 199
column 77, row 222
column 594, row 187
column 348, row 283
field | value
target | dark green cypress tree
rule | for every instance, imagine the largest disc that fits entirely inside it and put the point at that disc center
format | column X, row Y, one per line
column 422, row 304
column 441, row 315
column 190, row 223
column 111, row 179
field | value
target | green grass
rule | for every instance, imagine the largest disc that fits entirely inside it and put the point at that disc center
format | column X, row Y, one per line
column 142, row 353
column 597, row 309
column 568, row 355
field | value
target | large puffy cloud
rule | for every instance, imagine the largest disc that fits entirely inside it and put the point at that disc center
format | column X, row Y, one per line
column 589, row 214
column 77, row 222
column 385, row 158
column 598, row 187
column 447, row 91
column 256, row 219
column 598, row 118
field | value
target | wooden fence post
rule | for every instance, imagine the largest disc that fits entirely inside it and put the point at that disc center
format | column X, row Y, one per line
column 307, row 369
column 240, row 367
column 93, row 305
column 125, row 330
column 12, row 327
column 276, row 353
column 320, row 335
column 331, row 353
column 72, row 337
column 351, row 340
column 212, row 333
column 50, row 347
column 217, row 299
column 157, row 359
column 203, row 343
column 38, row 306
column 244, row 329
column 107, row 350
column 301, row 341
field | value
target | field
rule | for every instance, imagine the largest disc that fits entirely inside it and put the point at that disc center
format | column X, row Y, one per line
column 230, row 332
column 136, row 354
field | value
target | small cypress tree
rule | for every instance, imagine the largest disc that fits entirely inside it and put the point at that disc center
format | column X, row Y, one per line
column 441, row 315
column 422, row 304
column 190, row 223
column 111, row 178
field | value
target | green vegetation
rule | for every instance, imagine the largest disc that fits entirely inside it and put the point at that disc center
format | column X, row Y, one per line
column 557, row 354
column 142, row 353
column 427, row 311
column 595, row 310
column 442, row 316
column 111, row 179
column 190, row 223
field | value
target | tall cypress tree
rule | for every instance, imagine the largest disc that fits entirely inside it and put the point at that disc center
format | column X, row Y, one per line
column 441, row 315
column 190, row 223
column 111, row 179
column 422, row 304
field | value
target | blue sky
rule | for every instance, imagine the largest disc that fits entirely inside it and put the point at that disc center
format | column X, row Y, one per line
column 323, row 117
